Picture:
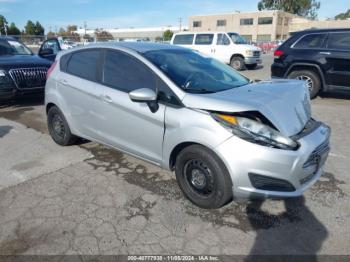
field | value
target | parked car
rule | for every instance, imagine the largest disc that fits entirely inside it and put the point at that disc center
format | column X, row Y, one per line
column 321, row 57
column 21, row 72
column 229, row 48
column 224, row 136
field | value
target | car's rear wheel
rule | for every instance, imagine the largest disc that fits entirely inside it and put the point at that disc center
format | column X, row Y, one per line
column 237, row 63
column 311, row 78
column 203, row 177
column 58, row 127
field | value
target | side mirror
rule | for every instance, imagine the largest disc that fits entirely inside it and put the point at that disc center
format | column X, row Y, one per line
column 143, row 95
column 46, row 52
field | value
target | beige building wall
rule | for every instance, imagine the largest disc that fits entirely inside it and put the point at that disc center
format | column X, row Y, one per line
column 299, row 24
column 277, row 30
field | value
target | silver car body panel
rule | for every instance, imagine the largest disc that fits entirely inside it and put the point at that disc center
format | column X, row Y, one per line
column 108, row 116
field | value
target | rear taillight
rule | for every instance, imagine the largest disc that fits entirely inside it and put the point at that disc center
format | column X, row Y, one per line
column 52, row 67
column 278, row 53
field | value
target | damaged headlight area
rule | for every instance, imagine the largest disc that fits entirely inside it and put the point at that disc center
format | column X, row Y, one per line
column 255, row 131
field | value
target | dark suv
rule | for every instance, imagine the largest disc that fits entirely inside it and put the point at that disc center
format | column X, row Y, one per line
column 320, row 57
column 21, row 71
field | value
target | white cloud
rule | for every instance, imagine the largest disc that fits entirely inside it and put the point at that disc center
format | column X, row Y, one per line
column 4, row 10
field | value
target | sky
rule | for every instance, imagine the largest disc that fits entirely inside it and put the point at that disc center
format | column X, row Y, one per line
column 131, row 13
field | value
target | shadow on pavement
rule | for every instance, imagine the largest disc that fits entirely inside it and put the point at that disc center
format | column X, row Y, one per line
column 338, row 94
column 302, row 233
column 23, row 101
column 4, row 130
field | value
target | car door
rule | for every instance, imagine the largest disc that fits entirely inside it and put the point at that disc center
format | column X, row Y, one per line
column 204, row 43
column 338, row 59
column 223, row 48
column 128, row 125
column 77, row 84
column 49, row 49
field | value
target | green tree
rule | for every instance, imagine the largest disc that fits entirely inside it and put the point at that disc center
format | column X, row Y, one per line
column 167, row 35
column 306, row 8
column 343, row 16
column 39, row 29
column 71, row 29
column 3, row 25
column 29, row 28
column 13, row 30
column 103, row 35
column 50, row 35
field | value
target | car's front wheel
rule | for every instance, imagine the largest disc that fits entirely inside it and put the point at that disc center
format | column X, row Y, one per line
column 311, row 78
column 237, row 63
column 58, row 127
column 203, row 177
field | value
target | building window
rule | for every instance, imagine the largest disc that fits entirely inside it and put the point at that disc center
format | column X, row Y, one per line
column 221, row 23
column 197, row 23
column 263, row 38
column 265, row 20
column 247, row 21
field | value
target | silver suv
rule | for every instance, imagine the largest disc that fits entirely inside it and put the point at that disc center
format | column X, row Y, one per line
column 225, row 136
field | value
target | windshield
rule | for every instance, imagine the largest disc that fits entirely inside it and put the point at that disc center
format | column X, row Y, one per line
column 194, row 72
column 237, row 39
column 12, row 47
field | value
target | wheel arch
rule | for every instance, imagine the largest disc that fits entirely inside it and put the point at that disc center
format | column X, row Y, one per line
column 305, row 66
column 237, row 55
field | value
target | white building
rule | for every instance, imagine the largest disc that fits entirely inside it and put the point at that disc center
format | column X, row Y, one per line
column 129, row 34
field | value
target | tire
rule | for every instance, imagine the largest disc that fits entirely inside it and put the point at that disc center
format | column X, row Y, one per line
column 58, row 128
column 252, row 66
column 312, row 79
column 203, row 177
column 237, row 63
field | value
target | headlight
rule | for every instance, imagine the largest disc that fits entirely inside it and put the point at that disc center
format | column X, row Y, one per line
column 2, row 73
column 5, row 80
column 256, row 132
column 249, row 52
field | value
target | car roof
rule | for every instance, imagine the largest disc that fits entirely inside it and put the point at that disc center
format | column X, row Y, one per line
column 4, row 38
column 139, row 47
column 322, row 30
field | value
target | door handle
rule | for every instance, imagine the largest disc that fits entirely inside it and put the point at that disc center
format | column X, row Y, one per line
column 106, row 98
column 325, row 53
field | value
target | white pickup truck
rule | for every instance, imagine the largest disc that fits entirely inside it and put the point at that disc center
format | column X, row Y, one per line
column 229, row 48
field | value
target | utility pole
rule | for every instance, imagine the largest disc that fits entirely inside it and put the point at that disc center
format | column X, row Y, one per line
column 180, row 24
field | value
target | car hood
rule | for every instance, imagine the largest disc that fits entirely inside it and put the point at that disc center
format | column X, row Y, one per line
column 248, row 47
column 17, row 61
column 285, row 103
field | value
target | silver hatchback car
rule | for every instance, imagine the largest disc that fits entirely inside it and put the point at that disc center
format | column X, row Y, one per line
column 225, row 136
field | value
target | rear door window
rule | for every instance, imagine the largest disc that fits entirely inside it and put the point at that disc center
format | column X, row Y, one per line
column 204, row 39
column 339, row 41
column 183, row 39
column 311, row 41
column 84, row 64
column 125, row 73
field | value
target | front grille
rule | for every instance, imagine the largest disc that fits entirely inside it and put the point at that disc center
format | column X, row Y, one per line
column 314, row 158
column 29, row 78
column 256, row 53
column 270, row 183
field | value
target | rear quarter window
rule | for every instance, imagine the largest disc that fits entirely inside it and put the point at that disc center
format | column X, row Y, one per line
column 310, row 41
column 183, row 39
